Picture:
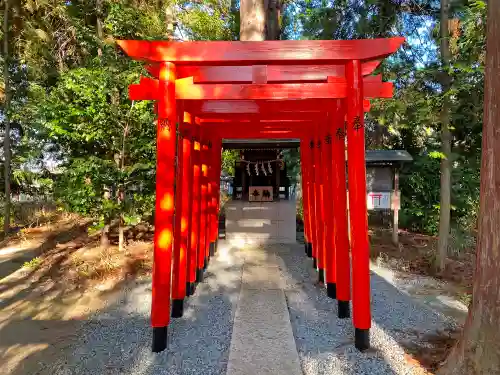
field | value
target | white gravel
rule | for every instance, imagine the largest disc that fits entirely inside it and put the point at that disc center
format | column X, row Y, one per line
column 117, row 340
column 326, row 343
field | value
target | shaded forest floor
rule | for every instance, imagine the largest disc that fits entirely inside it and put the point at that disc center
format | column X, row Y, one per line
column 57, row 272
column 60, row 270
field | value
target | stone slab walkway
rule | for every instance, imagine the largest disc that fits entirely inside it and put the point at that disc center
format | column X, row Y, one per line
column 262, row 340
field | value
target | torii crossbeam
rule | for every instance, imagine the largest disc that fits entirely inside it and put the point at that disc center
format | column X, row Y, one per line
column 316, row 91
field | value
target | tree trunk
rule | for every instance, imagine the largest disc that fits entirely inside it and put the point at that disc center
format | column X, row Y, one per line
column 100, row 34
column 105, row 235
column 478, row 351
column 107, row 222
column 252, row 20
column 260, row 20
column 170, row 22
column 273, row 29
column 6, row 107
column 445, row 201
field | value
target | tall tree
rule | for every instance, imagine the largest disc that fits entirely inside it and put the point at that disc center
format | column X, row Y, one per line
column 478, row 351
column 252, row 20
column 260, row 19
column 445, row 200
column 273, row 19
column 6, row 114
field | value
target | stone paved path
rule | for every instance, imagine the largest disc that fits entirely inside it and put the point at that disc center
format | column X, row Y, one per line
column 262, row 340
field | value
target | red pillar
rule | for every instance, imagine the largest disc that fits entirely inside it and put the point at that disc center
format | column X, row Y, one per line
column 310, row 195
column 180, row 227
column 191, row 228
column 217, row 148
column 320, row 204
column 196, row 219
column 339, row 198
column 318, row 187
column 203, row 222
column 165, row 179
column 305, row 213
column 211, row 201
column 330, row 256
column 357, row 205
column 314, row 200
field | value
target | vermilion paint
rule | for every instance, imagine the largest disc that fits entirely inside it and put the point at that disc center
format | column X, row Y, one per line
column 192, row 229
column 339, row 199
column 305, row 201
column 356, row 167
column 320, row 202
column 218, row 86
column 314, row 198
column 203, row 252
column 328, row 201
column 165, row 179
column 180, row 228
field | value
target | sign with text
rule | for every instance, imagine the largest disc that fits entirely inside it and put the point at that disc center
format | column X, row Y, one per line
column 383, row 200
column 260, row 193
column 378, row 200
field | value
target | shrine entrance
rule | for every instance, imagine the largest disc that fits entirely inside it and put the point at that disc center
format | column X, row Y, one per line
column 262, row 209
column 313, row 91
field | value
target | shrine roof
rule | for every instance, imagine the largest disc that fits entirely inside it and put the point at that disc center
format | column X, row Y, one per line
column 255, row 144
column 377, row 156
column 265, row 52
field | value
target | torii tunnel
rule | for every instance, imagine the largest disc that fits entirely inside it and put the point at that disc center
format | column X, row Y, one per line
column 316, row 91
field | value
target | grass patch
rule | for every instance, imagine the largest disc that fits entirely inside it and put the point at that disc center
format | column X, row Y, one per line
column 33, row 264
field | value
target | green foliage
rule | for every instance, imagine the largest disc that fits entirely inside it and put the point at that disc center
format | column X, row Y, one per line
column 76, row 134
column 229, row 157
column 33, row 264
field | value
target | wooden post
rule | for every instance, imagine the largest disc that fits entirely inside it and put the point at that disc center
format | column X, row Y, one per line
column 305, row 211
column 320, row 205
column 330, row 256
column 180, row 227
column 211, row 202
column 203, row 253
column 165, row 179
column 342, row 289
column 357, row 205
column 395, row 207
column 192, row 214
column 196, row 219
column 218, row 167
column 310, row 198
column 314, row 194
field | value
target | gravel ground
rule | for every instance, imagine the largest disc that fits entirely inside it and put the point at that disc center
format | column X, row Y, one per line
column 117, row 340
column 326, row 343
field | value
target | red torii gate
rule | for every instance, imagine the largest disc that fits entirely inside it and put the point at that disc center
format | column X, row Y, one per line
column 312, row 90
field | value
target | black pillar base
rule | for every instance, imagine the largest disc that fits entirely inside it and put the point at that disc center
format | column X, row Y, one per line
column 309, row 250
column 160, row 335
column 212, row 249
column 331, row 290
column 217, row 242
column 344, row 309
column 199, row 275
column 305, row 247
column 362, row 339
column 315, row 263
column 177, row 308
column 205, row 264
column 321, row 275
column 190, row 288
